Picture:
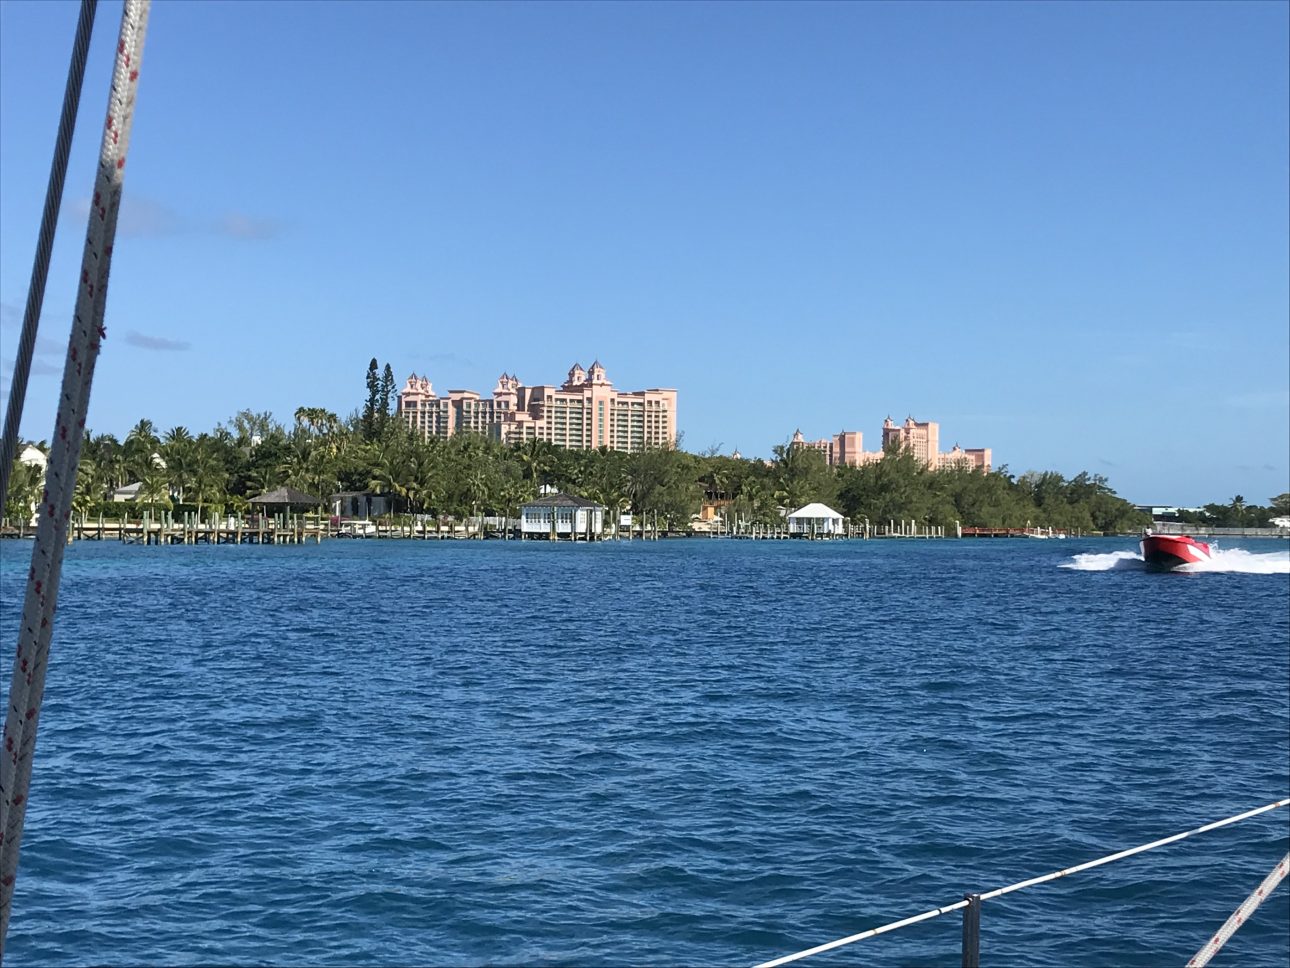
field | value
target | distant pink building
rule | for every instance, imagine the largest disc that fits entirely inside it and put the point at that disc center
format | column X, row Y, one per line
column 845, row 448
column 973, row 459
column 921, row 439
column 586, row 412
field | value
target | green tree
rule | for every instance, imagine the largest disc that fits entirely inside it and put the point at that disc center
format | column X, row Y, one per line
column 247, row 429
column 803, row 477
column 141, row 445
column 373, row 402
column 154, row 487
column 209, row 473
column 25, row 483
column 536, row 459
column 387, row 399
column 176, row 452
column 88, row 495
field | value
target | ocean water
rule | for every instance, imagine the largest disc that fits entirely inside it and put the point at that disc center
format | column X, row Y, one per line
column 691, row 752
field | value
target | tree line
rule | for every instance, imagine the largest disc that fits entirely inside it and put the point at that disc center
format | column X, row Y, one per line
column 468, row 474
column 1238, row 513
column 322, row 454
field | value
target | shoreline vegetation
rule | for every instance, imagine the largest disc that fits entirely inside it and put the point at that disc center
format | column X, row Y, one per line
column 185, row 478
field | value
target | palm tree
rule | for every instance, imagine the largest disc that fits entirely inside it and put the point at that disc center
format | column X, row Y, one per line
column 141, row 445
column 208, row 473
column 109, row 455
column 426, row 488
column 144, row 428
column 318, row 422
column 154, row 487
column 1238, row 510
column 390, row 468
column 177, row 457
column 510, row 491
column 264, row 478
column 536, row 458
column 90, row 485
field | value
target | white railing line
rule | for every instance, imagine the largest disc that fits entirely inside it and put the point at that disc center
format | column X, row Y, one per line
column 829, row 946
column 1133, row 850
column 927, row 915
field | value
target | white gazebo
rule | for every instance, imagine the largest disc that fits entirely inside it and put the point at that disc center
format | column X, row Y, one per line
column 815, row 519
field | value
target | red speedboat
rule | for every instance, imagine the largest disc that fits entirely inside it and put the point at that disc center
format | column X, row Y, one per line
column 1170, row 551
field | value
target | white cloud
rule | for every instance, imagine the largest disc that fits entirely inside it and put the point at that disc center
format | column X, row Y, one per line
column 146, row 342
column 239, row 226
column 1260, row 400
column 142, row 217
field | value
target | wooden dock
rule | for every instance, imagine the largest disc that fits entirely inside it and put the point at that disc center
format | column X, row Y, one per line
column 1015, row 533
column 171, row 533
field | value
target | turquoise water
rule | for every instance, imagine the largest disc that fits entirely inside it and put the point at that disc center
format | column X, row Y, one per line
column 685, row 752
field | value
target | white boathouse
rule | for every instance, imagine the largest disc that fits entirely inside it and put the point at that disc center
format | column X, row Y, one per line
column 562, row 516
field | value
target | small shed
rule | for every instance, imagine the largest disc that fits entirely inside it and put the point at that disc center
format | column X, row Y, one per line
column 361, row 504
column 562, row 516
column 815, row 519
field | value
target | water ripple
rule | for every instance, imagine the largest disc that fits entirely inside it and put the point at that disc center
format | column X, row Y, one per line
column 687, row 753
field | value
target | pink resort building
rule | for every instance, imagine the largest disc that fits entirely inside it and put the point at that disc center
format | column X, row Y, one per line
column 586, row 412
column 922, row 439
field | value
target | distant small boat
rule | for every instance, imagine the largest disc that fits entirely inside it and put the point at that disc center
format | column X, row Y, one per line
column 1169, row 551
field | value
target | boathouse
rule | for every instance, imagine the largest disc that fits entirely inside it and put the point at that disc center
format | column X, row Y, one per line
column 562, row 516
column 815, row 519
column 361, row 504
column 285, row 499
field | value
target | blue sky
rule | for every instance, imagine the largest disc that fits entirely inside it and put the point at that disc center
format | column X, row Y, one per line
column 1060, row 230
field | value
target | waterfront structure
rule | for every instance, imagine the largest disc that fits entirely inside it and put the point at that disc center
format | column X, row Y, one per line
column 585, row 412
column 562, row 516
column 815, row 519
column 360, row 504
column 285, row 498
column 920, row 439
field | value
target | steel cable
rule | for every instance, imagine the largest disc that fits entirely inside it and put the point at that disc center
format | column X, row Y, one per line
column 28, row 684
column 45, row 245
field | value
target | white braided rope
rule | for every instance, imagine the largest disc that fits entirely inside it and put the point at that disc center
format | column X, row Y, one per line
column 998, row 892
column 28, row 684
column 1240, row 915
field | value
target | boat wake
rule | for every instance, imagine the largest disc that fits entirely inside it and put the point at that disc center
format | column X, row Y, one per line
column 1229, row 560
column 1111, row 561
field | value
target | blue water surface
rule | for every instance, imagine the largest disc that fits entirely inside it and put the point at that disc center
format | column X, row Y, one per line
column 687, row 752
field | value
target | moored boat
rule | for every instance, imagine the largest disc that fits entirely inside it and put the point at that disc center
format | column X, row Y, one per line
column 1168, row 551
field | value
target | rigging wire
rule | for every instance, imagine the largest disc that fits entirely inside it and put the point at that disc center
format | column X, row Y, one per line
column 41, row 599
column 45, row 244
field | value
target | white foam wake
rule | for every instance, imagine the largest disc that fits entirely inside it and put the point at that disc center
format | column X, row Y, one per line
column 1229, row 560
column 1111, row 561
column 1244, row 562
